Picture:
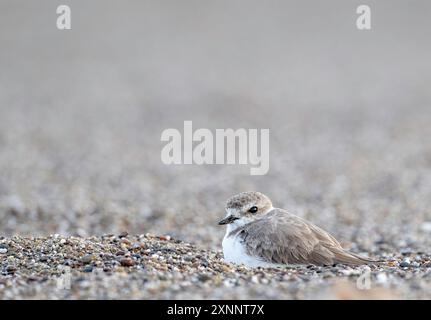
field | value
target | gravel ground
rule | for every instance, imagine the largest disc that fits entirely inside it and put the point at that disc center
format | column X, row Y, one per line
column 82, row 111
column 158, row 267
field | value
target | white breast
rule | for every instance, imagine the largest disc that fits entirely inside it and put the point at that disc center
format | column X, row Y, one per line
column 234, row 252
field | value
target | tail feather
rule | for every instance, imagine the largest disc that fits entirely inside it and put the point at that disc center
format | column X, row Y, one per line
column 347, row 257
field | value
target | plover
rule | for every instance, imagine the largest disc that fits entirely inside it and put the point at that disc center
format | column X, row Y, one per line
column 259, row 235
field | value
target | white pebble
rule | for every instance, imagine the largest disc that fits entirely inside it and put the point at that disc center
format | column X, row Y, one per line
column 382, row 278
column 426, row 226
column 351, row 272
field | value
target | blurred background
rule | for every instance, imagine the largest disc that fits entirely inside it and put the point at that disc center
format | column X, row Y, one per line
column 82, row 111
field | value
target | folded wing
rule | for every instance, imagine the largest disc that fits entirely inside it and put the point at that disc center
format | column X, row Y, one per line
column 284, row 238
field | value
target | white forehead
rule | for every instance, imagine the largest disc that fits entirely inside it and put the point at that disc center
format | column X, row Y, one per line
column 232, row 211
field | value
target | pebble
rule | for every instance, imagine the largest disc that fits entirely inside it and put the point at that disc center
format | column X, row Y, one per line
column 123, row 234
column 392, row 263
column 136, row 246
column 225, row 268
column 127, row 262
column 204, row 277
column 255, row 279
column 381, row 278
column 11, row 269
column 3, row 250
column 125, row 242
column 406, row 251
column 88, row 268
column 87, row 258
column 149, row 271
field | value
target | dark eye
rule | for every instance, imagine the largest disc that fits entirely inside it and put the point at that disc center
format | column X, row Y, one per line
column 253, row 209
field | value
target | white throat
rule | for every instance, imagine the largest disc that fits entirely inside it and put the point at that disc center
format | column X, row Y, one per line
column 233, row 248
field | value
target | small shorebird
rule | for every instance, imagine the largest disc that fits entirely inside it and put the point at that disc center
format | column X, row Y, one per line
column 259, row 235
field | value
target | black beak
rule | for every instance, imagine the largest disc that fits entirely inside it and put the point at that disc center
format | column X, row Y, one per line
column 227, row 220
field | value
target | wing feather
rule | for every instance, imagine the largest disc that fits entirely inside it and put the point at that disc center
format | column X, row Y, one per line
column 284, row 238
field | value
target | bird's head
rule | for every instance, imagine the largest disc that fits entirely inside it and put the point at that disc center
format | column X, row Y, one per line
column 246, row 207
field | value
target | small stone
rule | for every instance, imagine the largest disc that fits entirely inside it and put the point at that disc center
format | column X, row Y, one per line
column 188, row 258
column 10, row 269
column 33, row 278
column 165, row 238
column 123, row 234
column 125, row 242
column 88, row 268
column 127, row 262
column 87, row 258
column 350, row 272
column 406, row 251
column 162, row 267
column 404, row 264
column 255, row 279
column 204, row 277
column 225, row 268
column 382, row 278
column 392, row 263
column 136, row 246
column 228, row 283
column 3, row 250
